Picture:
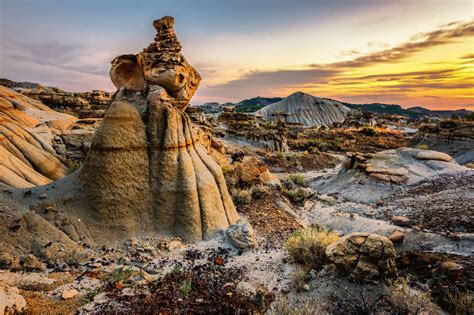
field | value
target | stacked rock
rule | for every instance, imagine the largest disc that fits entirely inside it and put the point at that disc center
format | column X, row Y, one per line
column 147, row 171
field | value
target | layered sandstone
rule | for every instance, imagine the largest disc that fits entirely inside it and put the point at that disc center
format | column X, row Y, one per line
column 27, row 127
column 147, row 172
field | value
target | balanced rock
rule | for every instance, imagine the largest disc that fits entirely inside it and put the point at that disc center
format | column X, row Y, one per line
column 363, row 256
column 147, row 172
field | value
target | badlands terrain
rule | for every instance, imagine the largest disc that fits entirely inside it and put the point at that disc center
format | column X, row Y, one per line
column 135, row 202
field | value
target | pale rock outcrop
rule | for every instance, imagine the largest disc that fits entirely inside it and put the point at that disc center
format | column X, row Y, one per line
column 363, row 256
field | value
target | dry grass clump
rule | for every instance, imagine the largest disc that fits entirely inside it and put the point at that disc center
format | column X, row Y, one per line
column 307, row 246
column 283, row 306
column 242, row 196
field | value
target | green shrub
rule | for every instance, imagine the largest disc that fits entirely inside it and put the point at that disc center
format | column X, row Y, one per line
column 297, row 179
column 296, row 196
column 308, row 246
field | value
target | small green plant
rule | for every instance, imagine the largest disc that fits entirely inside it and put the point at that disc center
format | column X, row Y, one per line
column 297, row 179
column 242, row 196
column 185, row 287
column 121, row 275
column 308, row 246
column 91, row 294
column 280, row 155
column 296, row 196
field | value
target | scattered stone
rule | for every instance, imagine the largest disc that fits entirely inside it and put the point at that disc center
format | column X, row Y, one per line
column 401, row 221
column 397, row 237
column 69, row 294
column 245, row 288
column 241, row 235
column 449, row 266
column 363, row 256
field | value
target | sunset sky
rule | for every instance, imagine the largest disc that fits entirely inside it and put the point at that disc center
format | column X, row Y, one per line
column 412, row 53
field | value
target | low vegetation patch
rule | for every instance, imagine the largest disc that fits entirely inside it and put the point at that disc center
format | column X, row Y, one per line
column 308, row 246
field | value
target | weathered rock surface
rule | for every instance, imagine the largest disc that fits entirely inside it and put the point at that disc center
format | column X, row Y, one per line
column 368, row 177
column 307, row 110
column 147, row 172
column 241, row 235
column 363, row 256
column 11, row 301
column 27, row 157
column 83, row 104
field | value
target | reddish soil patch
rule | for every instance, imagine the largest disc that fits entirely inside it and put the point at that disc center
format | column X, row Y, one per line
column 269, row 221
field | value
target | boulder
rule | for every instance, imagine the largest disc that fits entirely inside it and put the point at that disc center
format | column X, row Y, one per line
column 241, row 235
column 433, row 155
column 363, row 256
column 401, row 221
column 397, row 237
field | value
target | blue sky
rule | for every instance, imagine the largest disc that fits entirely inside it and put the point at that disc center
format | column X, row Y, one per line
column 241, row 48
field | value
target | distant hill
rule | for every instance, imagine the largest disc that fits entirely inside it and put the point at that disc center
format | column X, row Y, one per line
column 306, row 109
column 440, row 113
column 378, row 108
column 253, row 104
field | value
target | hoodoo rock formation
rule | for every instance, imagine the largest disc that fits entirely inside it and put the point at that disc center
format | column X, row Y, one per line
column 147, row 172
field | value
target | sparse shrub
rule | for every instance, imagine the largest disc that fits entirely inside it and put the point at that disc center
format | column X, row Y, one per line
column 323, row 127
column 460, row 303
column 299, row 277
column 242, row 196
column 122, row 276
column 283, row 306
column 259, row 192
column 185, row 287
column 367, row 131
column 91, row 294
column 73, row 167
column 307, row 246
column 280, row 155
column 296, row 196
column 423, row 146
column 297, row 179
column 399, row 298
